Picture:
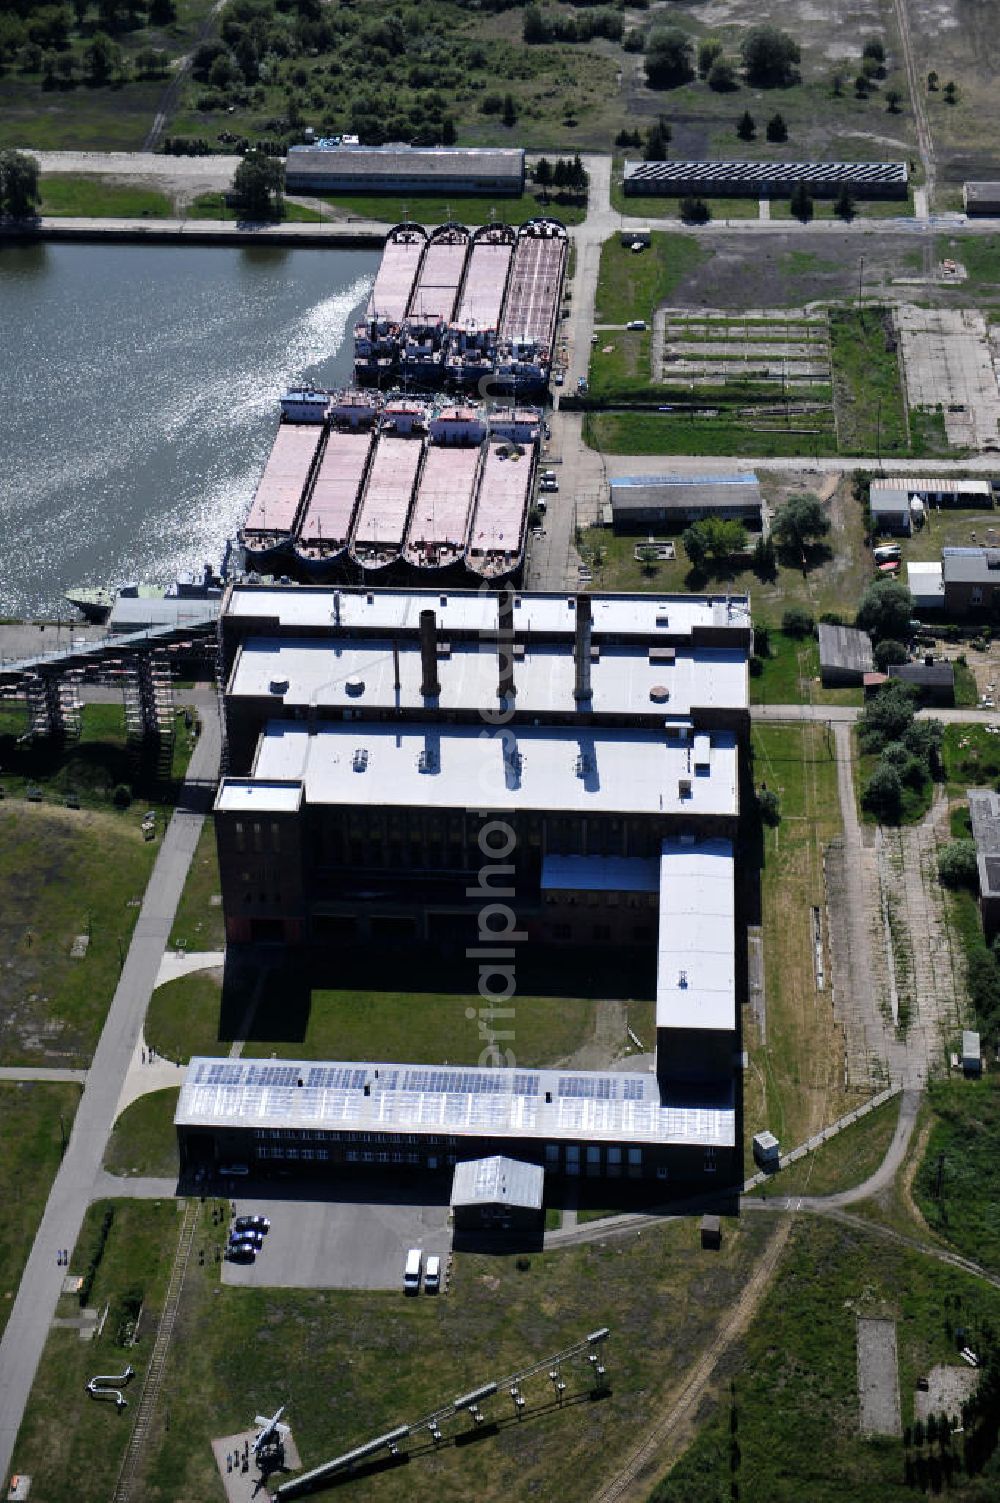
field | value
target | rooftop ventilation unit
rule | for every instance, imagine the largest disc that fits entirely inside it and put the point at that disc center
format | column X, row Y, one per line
column 278, row 686
column 361, row 759
column 428, row 761
column 584, row 765
column 354, row 687
column 684, row 787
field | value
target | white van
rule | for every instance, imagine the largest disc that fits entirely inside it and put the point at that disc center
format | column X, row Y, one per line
column 432, row 1276
column 411, row 1273
column 888, row 553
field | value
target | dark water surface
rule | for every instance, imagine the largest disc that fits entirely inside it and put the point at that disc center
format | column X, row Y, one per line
column 139, row 392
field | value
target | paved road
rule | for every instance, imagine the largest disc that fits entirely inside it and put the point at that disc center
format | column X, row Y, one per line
column 35, row 1305
column 847, row 714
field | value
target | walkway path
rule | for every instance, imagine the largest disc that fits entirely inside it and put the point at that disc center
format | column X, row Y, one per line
column 40, row 1072
column 28, row 1326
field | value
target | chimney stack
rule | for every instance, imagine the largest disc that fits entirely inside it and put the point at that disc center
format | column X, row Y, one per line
column 581, row 649
column 505, row 645
column 429, row 685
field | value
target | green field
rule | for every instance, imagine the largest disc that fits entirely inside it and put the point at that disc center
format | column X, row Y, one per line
column 351, row 1364
column 788, row 1426
column 791, row 675
column 64, row 194
column 794, row 1085
column 957, row 1186
column 466, row 209
column 143, row 1140
column 656, row 433
column 868, row 390
column 214, row 206
column 631, row 284
column 293, row 1020
column 35, row 1122
column 198, row 922
column 847, row 1160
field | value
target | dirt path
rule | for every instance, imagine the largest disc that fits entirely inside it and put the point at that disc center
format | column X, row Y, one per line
column 671, row 1433
column 924, row 140
column 171, row 93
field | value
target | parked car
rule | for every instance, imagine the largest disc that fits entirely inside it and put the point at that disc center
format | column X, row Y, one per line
column 432, row 1276
column 636, row 323
column 240, row 1252
column 247, row 1239
column 252, row 1224
column 411, row 1272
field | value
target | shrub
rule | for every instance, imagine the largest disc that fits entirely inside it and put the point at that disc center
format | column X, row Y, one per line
column 769, row 807
column 797, row 622
column 122, row 796
column 957, row 865
column 882, row 795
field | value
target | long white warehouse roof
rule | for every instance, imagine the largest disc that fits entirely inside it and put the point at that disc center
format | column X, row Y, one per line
column 569, row 769
column 696, row 961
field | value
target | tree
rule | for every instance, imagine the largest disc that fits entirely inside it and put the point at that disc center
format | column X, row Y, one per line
column 746, row 126
column 762, row 639
column 448, row 133
column 887, row 716
column 882, row 795
column 800, row 521
column 722, row 76
column 918, row 1432
column 648, row 558
column 770, row 57
column 769, row 807
column 885, row 609
column 162, row 12
column 695, row 545
column 889, row 652
column 694, row 210
column 951, row 92
column 18, row 184
column 668, row 58
column 709, row 48
column 535, row 27
column 837, row 84
column 509, row 116
column 204, row 56
column 932, row 81
column 862, row 86
column 102, row 57
column 843, row 205
column 958, row 865
column 932, row 1428
column 875, row 50
column 658, row 139
column 224, row 73
column 777, row 130
column 258, row 187
column 800, row 203
column 543, row 172
column 892, row 98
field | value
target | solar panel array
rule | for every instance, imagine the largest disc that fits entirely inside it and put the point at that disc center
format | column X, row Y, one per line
column 704, row 176
column 337, row 1097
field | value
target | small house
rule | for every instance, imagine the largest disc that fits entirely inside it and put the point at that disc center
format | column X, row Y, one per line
column 766, row 1150
column 934, row 682
column 498, row 1195
column 711, row 1231
column 845, row 655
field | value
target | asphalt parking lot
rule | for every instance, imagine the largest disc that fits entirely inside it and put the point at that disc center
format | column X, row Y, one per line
column 342, row 1244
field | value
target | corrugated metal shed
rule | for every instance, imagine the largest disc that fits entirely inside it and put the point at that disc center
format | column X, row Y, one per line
column 498, row 1181
column 824, row 179
column 982, row 199
column 845, row 654
column 684, row 494
column 456, row 167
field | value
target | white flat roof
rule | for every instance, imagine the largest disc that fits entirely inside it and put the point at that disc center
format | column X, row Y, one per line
column 926, row 582
column 696, row 960
column 567, row 769
column 317, row 673
column 258, row 796
column 553, row 1104
column 477, row 610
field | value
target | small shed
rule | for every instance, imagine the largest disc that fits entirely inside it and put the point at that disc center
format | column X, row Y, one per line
column 642, row 236
column 711, row 1231
column 926, row 586
column 766, row 1150
column 972, row 1055
column 982, row 200
column 890, row 510
column 845, row 655
column 934, row 682
column 497, row 1194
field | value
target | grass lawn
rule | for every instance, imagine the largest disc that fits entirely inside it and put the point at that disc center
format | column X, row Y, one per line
column 679, row 433
column 214, row 206
column 89, row 197
column 79, row 1456
column 847, row 1160
column 631, row 284
column 466, row 209
column 794, row 1084
column 143, row 1140
column 868, row 391
column 351, row 1364
column 33, row 1119
column 64, row 873
column 957, row 1186
column 980, row 255
column 788, row 1428
column 199, row 923
column 791, row 676
column 294, row 1020
column 971, row 758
